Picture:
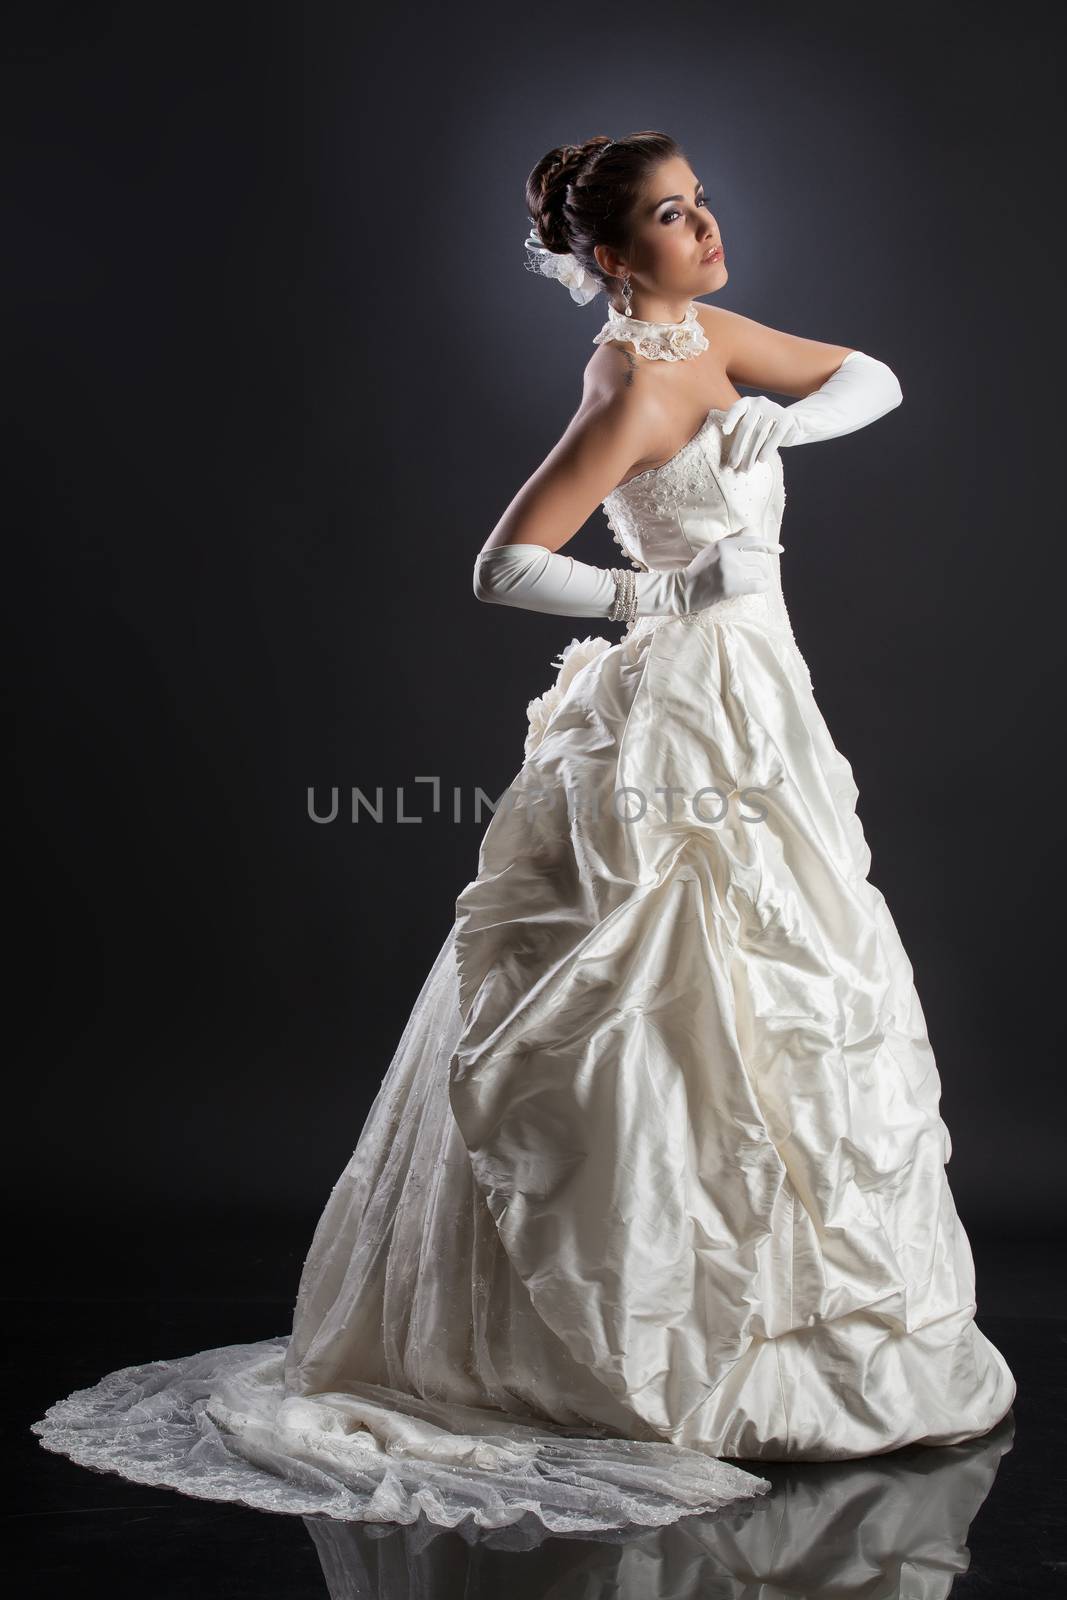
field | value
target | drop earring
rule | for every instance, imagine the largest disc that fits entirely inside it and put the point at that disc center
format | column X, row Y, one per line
column 627, row 296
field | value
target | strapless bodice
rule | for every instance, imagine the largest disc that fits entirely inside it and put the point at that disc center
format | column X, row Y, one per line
column 662, row 517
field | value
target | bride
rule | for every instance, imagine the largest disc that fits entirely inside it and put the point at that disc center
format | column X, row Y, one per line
column 655, row 1181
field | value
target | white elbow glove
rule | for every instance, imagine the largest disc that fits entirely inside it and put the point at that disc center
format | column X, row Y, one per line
column 536, row 579
column 860, row 391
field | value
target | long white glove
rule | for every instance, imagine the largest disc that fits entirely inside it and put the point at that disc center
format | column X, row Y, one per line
column 536, row 579
column 860, row 391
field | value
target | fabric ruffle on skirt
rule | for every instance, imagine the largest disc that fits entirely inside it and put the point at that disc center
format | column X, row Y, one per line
column 694, row 1077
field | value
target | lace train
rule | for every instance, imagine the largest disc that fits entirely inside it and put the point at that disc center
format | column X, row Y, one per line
column 218, row 1426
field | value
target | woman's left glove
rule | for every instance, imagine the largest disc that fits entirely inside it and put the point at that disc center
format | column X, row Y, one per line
column 860, row 391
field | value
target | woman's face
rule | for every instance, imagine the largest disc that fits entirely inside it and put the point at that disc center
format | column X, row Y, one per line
column 672, row 232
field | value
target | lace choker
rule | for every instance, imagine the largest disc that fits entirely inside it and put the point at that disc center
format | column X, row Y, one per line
column 658, row 341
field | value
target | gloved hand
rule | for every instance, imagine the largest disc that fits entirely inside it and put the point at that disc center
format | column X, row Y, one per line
column 735, row 564
column 537, row 579
column 860, row 391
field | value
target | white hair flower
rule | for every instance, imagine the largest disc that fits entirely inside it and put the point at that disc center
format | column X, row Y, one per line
column 566, row 268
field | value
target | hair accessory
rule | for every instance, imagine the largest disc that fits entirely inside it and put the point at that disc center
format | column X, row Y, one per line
column 657, row 341
column 567, row 268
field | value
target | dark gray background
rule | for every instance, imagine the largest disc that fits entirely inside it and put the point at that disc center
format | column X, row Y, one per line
column 275, row 370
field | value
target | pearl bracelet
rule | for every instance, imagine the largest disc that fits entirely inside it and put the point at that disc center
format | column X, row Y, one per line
column 625, row 606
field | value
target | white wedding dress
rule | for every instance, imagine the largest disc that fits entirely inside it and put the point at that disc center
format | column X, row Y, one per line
column 656, row 1175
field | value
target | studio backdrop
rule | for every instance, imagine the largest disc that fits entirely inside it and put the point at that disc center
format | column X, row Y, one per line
column 271, row 343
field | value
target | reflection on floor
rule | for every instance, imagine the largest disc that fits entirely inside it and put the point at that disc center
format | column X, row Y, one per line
column 896, row 1526
column 982, row 1519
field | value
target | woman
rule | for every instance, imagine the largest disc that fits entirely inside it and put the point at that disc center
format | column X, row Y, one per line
column 655, row 1181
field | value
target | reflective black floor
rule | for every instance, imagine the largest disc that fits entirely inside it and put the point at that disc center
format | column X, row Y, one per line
column 985, row 1519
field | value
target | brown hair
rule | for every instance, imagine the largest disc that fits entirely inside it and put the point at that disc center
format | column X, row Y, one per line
column 582, row 195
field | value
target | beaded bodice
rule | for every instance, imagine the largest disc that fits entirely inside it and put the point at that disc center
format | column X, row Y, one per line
column 662, row 517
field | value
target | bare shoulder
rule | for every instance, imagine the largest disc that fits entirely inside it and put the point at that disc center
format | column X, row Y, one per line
column 612, row 369
column 623, row 394
column 606, row 437
column 722, row 327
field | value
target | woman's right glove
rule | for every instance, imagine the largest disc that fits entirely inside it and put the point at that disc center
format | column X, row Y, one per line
column 537, row 579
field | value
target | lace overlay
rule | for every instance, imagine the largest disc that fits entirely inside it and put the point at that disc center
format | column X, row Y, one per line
column 218, row 1426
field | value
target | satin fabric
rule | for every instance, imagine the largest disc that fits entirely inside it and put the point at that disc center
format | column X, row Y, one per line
column 695, row 1079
